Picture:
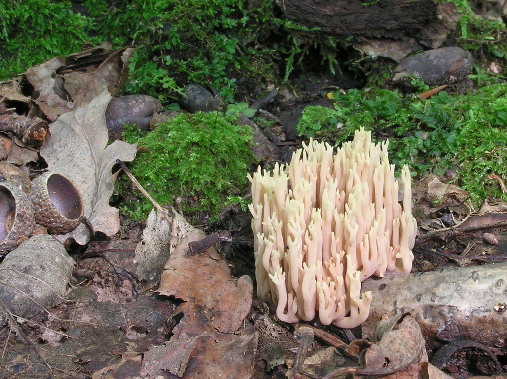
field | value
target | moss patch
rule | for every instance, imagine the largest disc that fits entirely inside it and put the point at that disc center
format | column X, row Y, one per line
column 201, row 158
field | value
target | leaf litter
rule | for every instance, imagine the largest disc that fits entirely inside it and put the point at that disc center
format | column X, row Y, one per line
column 200, row 322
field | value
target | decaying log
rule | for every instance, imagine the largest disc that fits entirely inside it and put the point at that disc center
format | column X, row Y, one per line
column 390, row 28
column 465, row 303
column 392, row 19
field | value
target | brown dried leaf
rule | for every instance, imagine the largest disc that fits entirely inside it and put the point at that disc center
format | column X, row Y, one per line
column 173, row 356
column 11, row 90
column 223, row 356
column 20, row 156
column 400, row 344
column 419, row 370
column 78, row 150
column 127, row 368
column 211, row 295
column 213, row 299
column 83, row 86
column 445, row 193
column 52, row 99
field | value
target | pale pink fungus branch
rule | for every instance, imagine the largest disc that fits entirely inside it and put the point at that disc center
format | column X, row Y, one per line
column 324, row 223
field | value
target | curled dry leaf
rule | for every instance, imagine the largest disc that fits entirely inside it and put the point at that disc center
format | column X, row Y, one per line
column 213, row 299
column 78, row 150
column 223, row 356
column 211, row 295
column 155, row 247
column 398, row 343
column 419, row 370
column 445, row 193
column 52, row 99
column 84, row 85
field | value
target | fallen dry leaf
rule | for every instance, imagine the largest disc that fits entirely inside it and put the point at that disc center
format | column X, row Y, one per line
column 129, row 364
column 154, row 249
column 84, row 85
column 52, row 100
column 212, row 296
column 419, row 370
column 445, row 193
column 398, row 343
column 20, row 156
column 173, row 356
column 78, row 150
column 11, row 90
column 223, row 356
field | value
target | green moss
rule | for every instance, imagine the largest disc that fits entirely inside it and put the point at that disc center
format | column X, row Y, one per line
column 464, row 132
column 201, row 158
column 32, row 31
column 211, row 43
column 482, row 36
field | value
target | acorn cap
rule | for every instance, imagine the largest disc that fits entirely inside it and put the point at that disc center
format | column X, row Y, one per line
column 16, row 217
column 57, row 203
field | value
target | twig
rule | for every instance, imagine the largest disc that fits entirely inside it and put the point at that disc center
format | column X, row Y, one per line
column 198, row 247
column 461, row 260
column 500, row 181
column 431, row 92
column 328, row 338
column 6, row 343
column 163, row 211
column 305, row 336
column 458, row 230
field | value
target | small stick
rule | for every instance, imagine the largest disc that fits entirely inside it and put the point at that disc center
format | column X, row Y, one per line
column 178, row 205
column 305, row 336
column 164, row 212
column 198, row 247
column 500, row 181
column 431, row 92
column 329, row 338
column 459, row 230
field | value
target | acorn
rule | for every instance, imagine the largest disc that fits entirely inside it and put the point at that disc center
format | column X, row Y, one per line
column 16, row 217
column 57, row 203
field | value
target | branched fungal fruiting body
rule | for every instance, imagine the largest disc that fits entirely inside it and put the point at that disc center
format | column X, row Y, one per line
column 324, row 223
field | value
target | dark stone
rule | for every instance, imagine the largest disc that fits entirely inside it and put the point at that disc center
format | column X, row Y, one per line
column 263, row 149
column 435, row 67
column 199, row 99
column 130, row 109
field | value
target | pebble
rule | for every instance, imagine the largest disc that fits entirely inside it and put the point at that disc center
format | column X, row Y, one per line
column 130, row 109
column 435, row 67
column 199, row 99
column 490, row 238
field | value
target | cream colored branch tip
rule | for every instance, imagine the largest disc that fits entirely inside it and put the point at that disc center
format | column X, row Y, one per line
column 324, row 223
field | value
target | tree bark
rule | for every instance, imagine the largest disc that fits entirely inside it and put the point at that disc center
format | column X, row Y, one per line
column 379, row 26
column 394, row 19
